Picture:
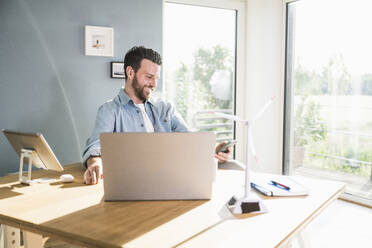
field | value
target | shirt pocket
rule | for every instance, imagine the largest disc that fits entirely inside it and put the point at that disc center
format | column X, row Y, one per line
column 165, row 123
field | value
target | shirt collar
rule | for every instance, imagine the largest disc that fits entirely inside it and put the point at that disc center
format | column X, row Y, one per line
column 125, row 99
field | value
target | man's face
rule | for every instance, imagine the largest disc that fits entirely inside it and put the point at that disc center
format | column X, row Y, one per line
column 145, row 79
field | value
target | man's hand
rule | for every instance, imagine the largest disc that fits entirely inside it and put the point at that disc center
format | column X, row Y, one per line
column 222, row 156
column 93, row 174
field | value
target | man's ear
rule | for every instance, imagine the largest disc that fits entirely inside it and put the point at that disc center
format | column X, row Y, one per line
column 130, row 72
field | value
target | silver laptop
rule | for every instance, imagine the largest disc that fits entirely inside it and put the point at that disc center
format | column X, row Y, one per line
column 158, row 166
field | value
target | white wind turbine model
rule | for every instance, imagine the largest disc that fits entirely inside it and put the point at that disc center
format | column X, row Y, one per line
column 248, row 203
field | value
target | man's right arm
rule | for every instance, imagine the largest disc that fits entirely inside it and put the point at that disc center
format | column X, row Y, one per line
column 178, row 124
column 105, row 122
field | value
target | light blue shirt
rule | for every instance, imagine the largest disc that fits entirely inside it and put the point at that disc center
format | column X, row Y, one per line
column 121, row 115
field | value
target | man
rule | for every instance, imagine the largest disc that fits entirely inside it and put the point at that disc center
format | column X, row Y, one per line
column 132, row 110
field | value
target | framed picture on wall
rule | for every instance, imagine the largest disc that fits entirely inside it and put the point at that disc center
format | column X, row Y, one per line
column 117, row 69
column 99, row 41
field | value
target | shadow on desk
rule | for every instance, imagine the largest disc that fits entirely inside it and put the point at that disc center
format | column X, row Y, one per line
column 224, row 214
column 231, row 165
column 78, row 182
column 9, row 191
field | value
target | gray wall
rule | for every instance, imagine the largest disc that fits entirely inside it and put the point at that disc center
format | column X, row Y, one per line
column 47, row 84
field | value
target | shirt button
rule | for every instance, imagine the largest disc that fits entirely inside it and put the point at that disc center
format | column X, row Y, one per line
column 138, row 111
column 165, row 120
column 141, row 125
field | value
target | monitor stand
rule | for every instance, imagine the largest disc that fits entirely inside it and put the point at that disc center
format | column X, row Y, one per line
column 31, row 155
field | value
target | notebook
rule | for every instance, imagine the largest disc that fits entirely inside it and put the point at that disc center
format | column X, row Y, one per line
column 278, row 185
column 158, row 166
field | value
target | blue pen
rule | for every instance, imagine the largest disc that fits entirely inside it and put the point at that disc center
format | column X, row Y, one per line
column 279, row 185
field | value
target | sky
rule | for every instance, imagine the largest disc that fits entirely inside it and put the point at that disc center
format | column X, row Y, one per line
column 327, row 28
column 324, row 28
column 190, row 27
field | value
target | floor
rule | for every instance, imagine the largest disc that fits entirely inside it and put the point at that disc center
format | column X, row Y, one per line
column 342, row 224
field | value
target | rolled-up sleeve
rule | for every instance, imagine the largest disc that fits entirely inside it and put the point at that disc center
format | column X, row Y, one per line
column 105, row 123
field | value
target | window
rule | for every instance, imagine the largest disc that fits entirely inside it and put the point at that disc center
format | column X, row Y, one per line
column 329, row 92
column 200, row 65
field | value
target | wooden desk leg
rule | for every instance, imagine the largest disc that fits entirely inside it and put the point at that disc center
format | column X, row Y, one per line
column 10, row 237
column 32, row 240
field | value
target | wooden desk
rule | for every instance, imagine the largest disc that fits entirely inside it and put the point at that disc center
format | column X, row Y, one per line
column 76, row 213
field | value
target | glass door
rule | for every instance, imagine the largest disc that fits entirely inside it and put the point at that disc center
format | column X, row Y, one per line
column 200, row 64
column 329, row 92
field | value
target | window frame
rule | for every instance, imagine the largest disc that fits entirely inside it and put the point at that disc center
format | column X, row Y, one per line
column 288, row 105
column 287, row 102
column 240, row 58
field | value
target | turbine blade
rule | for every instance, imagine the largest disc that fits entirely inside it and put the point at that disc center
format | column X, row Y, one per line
column 263, row 109
column 227, row 116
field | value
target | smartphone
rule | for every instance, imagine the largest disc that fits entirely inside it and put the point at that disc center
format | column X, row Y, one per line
column 225, row 146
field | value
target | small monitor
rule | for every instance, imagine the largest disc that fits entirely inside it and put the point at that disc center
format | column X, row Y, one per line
column 34, row 141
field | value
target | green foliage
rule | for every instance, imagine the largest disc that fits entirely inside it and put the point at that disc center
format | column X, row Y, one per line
column 206, row 63
column 331, row 151
column 334, row 79
column 308, row 125
column 183, row 90
column 367, row 84
column 343, row 150
column 308, row 82
column 364, row 156
column 337, row 76
column 193, row 82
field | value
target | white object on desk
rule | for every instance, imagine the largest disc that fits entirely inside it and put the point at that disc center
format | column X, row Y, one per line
column 67, row 178
column 278, row 185
column 34, row 147
column 25, row 153
column 31, row 155
column 247, row 203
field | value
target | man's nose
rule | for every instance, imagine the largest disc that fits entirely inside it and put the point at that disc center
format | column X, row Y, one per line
column 153, row 82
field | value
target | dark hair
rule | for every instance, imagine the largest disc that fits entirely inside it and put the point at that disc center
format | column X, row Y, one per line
column 135, row 56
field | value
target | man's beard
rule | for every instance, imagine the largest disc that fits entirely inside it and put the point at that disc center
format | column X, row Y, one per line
column 140, row 91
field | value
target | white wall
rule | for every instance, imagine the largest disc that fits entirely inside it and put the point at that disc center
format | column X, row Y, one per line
column 265, row 78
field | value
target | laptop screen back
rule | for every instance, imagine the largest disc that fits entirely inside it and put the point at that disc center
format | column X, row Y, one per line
column 158, row 166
